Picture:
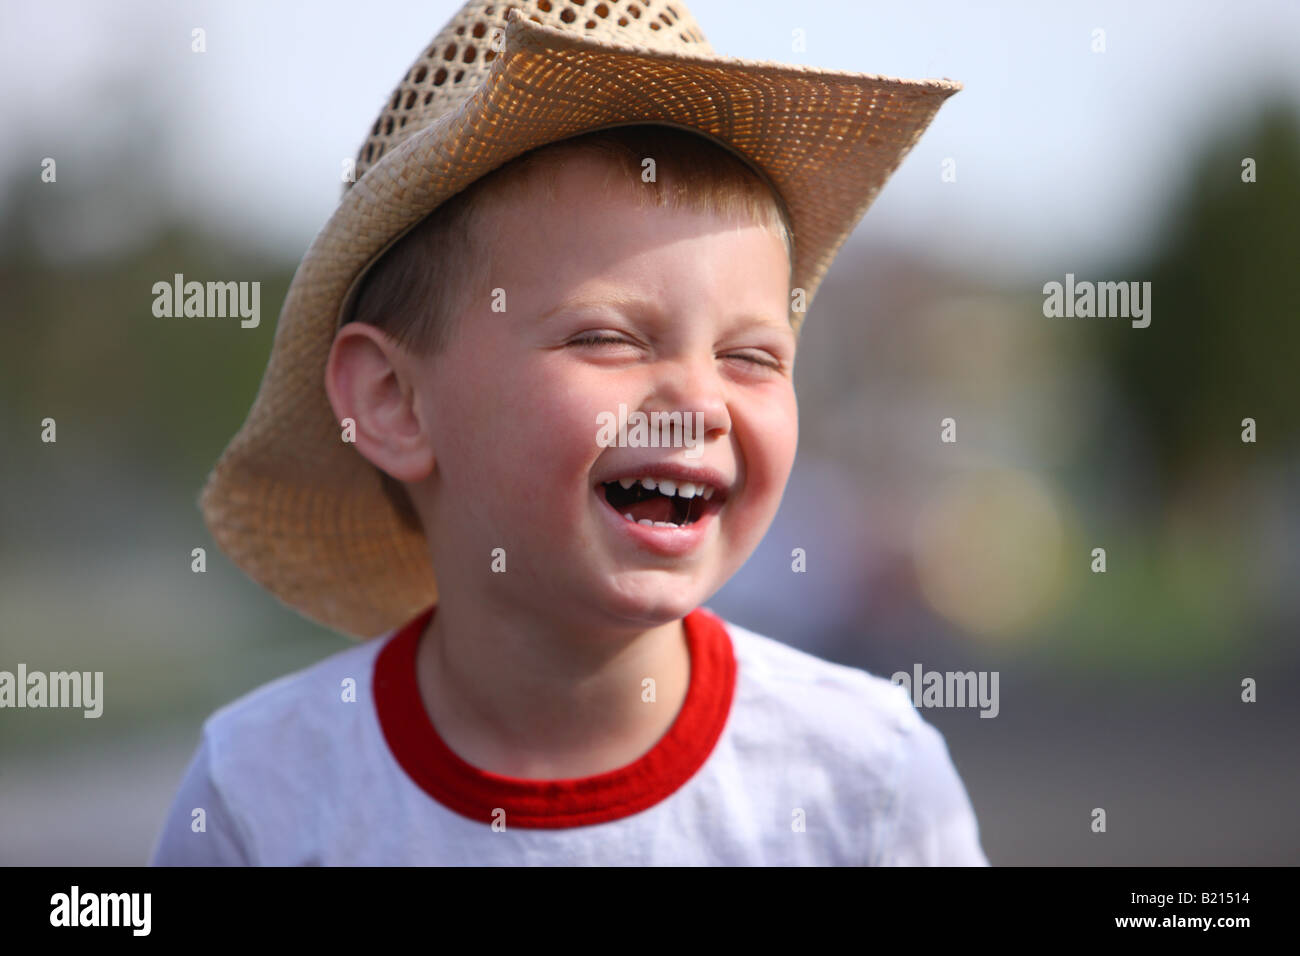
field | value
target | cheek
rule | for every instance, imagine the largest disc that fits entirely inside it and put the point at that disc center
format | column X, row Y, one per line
column 768, row 442
column 481, row 428
column 539, row 433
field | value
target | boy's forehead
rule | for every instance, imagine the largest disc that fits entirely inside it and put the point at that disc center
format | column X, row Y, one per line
column 567, row 209
column 585, row 260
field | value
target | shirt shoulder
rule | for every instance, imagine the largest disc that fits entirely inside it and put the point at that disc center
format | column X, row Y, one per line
column 827, row 699
column 865, row 733
column 320, row 693
column 278, row 754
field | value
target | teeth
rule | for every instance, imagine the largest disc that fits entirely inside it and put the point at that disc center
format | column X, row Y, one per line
column 670, row 487
column 648, row 523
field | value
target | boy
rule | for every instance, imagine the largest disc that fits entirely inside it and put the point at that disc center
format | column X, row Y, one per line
column 601, row 216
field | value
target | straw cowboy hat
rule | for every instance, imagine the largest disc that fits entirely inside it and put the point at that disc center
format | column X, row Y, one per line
column 298, row 508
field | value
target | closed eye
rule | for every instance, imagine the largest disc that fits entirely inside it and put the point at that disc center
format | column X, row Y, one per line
column 752, row 356
column 596, row 338
column 755, row 359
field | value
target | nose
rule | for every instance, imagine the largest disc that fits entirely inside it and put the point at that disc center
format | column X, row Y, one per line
column 693, row 384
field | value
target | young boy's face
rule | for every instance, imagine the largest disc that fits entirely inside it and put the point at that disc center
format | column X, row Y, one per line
column 692, row 310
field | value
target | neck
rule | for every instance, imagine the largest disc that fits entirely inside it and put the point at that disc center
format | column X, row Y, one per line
column 516, row 695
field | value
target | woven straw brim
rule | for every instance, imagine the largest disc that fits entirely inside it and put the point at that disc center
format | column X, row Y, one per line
column 298, row 509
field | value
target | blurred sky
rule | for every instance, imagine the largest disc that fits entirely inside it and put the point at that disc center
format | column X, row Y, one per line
column 250, row 135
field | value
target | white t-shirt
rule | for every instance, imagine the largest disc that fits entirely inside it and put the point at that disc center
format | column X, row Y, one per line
column 775, row 758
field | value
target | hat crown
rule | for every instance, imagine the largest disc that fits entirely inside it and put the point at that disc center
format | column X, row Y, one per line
column 456, row 63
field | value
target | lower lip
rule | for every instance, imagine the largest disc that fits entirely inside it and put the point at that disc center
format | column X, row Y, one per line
column 669, row 542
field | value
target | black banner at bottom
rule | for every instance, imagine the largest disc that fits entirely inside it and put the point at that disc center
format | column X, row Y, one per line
column 334, row 906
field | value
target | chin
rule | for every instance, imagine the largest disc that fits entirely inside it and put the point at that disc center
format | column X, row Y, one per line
column 651, row 599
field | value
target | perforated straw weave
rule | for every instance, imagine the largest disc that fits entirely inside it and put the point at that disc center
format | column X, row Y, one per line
column 297, row 508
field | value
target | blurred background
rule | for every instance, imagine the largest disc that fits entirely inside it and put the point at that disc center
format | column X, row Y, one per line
column 1119, row 690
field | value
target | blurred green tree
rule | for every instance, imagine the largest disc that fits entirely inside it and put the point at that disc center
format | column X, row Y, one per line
column 1224, row 341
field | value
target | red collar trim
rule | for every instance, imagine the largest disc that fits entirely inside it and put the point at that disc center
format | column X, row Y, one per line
column 578, row 801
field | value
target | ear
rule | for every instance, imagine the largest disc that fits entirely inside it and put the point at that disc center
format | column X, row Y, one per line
column 367, row 380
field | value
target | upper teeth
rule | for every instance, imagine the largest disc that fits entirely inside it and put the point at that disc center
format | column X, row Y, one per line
column 670, row 487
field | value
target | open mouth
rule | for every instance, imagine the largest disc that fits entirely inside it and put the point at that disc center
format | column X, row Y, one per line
column 662, row 502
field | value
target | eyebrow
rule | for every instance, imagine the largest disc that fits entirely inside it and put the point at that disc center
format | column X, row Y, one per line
column 617, row 300
column 624, row 302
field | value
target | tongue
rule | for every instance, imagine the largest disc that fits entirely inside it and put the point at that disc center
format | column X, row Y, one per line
column 656, row 508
